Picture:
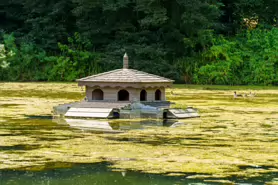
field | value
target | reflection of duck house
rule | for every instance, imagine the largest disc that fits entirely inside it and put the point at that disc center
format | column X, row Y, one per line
column 89, row 124
column 116, row 126
column 124, row 93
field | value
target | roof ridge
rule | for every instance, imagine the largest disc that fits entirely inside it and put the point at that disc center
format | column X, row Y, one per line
column 100, row 74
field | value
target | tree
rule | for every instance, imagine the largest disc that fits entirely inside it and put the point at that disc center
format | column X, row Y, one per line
column 48, row 22
column 151, row 31
column 74, row 61
column 249, row 58
column 171, row 38
column 241, row 14
column 24, row 62
column 12, row 17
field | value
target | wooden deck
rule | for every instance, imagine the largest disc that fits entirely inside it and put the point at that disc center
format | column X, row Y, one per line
column 97, row 104
column 108, row 109
column 111, row 104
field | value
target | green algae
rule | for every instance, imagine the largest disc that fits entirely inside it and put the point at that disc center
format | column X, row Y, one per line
column 40, row 94
column 233, row 137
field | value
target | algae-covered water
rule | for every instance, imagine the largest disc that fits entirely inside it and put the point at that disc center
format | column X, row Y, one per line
column 234, row 142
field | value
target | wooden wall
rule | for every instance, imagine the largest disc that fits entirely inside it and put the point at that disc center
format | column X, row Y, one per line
column 111, row 94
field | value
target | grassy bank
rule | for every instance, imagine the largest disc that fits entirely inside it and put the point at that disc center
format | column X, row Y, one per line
column 224, row 87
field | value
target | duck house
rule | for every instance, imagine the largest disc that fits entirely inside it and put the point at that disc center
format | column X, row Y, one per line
column 124, row 93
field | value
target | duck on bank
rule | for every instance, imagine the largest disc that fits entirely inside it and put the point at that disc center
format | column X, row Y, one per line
column 244, row 95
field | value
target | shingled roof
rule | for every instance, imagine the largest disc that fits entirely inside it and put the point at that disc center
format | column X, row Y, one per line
column 126, row 75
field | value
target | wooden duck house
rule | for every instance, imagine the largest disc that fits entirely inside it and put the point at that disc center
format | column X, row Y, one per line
column 121, row 93
column 125, row 85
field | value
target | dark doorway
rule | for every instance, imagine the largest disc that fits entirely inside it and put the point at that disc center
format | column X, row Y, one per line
column 158, row 95
column 164, row 115
column 123, row 95
column 116, row 115
column 143, row 95
column 97, row 94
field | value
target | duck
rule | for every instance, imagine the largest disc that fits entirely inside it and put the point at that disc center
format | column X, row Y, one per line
column 237, row 95
column 251, row 94
column 85, row 99
column 172, row 93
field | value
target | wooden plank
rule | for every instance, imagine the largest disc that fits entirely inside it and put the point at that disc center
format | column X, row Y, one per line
column 95, row 110
column 187, row 115
column 87, row 114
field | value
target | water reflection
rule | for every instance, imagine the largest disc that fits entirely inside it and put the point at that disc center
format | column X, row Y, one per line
column 116, row 125
column 100, row 174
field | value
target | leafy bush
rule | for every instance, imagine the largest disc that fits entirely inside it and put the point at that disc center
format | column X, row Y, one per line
column 249, row 58
column 27, row 62
column 24, row 62
column 74, row 61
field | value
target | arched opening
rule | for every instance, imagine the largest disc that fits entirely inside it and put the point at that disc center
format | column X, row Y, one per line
column 158, row 95
column 123, row 95
column 143, row 95
column 97, row 94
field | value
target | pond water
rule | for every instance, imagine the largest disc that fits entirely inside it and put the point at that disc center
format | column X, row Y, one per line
column 100, row 174
column 59, row 173
column 73, row 173
column 234, row 141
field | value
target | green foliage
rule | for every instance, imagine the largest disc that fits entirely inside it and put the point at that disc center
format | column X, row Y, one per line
column 25, row 62
column 171, row 38
column 3, row 61
column 74, row 61
column 186, row 67
column 28, row 62
column 48, row 22
column 237, row 15
column 12, row 16
column 3, row 57
column 250, row 58
column 152, row 32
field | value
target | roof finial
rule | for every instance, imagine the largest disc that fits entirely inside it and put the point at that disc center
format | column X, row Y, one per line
column 125, row 64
